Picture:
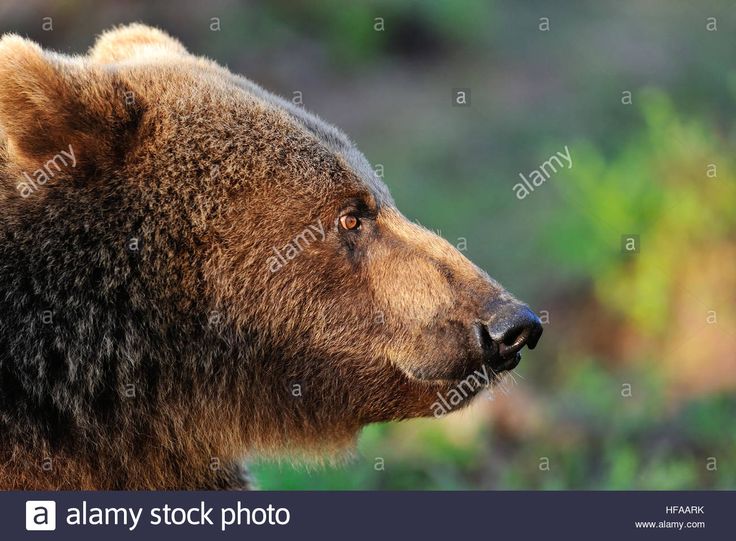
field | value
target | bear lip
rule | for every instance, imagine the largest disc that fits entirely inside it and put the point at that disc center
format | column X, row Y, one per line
column 509, row 363
column 485, row 371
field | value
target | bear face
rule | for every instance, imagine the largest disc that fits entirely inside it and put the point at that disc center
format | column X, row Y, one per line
column 222, row 273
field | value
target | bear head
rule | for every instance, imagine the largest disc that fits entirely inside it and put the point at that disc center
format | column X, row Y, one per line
column 227, row 253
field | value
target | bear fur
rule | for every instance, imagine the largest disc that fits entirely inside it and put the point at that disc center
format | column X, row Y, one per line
column 178, row 291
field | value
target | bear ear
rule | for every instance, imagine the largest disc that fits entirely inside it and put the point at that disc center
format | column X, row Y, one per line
column 50, row 103
column 131, row 41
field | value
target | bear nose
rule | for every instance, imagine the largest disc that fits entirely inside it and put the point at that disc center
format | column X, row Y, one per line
column 512, row 326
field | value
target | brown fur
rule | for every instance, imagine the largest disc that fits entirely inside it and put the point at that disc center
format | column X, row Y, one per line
column 210, row 173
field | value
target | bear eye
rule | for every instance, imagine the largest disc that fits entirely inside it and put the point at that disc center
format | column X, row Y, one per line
column 349, row 222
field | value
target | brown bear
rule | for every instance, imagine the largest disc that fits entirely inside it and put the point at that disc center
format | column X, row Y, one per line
column 195, row 271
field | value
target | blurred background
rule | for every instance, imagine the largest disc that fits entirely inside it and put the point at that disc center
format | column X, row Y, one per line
column 633, row 384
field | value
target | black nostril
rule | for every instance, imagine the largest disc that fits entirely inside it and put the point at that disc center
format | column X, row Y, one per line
column 514, row 327
column 515, row 336
column 513, row 340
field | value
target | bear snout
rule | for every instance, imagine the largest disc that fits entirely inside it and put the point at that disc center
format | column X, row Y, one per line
column 511, row 326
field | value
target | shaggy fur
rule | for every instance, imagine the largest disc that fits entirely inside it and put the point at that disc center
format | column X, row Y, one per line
column 144, row 341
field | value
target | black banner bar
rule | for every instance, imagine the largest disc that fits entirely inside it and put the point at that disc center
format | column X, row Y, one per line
column 78, row 516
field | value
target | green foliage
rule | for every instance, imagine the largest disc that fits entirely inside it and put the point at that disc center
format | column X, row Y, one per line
column 385, row 459
column 660, row 186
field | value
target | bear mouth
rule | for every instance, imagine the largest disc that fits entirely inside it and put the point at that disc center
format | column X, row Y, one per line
column 483, row 376
column 489, row 371
column 507, row 363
